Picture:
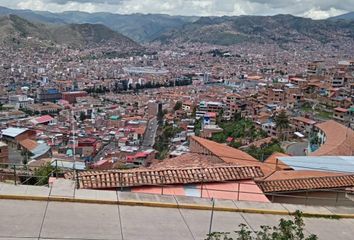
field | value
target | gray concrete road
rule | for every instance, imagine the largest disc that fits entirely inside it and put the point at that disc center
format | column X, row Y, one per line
column 297, row 149
column 150, row 133
column 63, row 220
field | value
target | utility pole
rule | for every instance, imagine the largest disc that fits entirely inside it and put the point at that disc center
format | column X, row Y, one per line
column 74, row 140
column 211, row 216
column 76, row 174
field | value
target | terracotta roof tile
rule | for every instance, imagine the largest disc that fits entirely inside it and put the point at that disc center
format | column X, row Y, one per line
column 189, row 160
column 283, row 181
column 29, row 144
column 339, row 140
column 304, row 120
column 226, row 153
column 137, row 177
column 231, row 155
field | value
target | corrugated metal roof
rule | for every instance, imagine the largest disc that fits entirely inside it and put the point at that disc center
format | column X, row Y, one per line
column 321, row 163
column 69, row 165
column 13, row 132
column 40, row 150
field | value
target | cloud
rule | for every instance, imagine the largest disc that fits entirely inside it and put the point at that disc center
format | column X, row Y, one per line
column 317, row 13
column 308, row 8
column 63, row 2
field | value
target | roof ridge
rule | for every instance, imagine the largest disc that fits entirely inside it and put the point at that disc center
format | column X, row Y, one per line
column 310, row 178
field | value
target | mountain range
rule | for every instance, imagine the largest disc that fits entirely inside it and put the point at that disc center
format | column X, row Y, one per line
column 139, row 27
column 82, row 29
column 260, row 29
column 15, row 30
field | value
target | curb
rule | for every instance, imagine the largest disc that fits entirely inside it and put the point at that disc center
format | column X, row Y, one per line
column 172, row 205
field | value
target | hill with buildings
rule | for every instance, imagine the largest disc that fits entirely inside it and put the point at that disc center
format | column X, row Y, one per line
column 139, row 27
column 16, row 31
column 262, row 29
column 214, row 30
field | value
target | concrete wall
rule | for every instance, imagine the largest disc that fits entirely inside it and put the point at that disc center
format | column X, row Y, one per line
column 319, row 198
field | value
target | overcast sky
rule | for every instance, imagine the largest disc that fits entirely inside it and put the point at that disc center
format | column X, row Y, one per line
column 316, row 9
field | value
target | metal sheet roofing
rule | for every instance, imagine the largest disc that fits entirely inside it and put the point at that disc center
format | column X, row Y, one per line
column 40, row 150
column 68, row 165
column 13, row 132
column 321, row 163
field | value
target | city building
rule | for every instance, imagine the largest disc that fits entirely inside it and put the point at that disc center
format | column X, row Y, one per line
column 20, row 101
column 71, row 96
column 48, row 95
column 4, row 153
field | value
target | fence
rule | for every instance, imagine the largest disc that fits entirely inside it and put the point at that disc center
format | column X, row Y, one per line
column 21, row 174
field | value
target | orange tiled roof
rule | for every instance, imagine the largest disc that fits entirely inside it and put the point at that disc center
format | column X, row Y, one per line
column 226, row 153
column 339, row 140
column 305, row 120
column 231, row 155
column 140, row 130
column 137, row 177
column 283, row 181
column 29, row 144
column 189, row 160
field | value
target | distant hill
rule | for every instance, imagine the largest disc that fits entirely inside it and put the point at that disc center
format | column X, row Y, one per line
column 139, row 27
column 16, row 30
column 164, row 28
column 13, row 30
column 33, row 16
column 262, row 29
column 89, row 35
column 347, row 16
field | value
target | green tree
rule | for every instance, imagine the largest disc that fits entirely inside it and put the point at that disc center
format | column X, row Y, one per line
column 82, row 116
column 282, row 123
column 286, row 230
column 219, row 137
column 163, row 140
column 198, row 127
column 177, row 106
column 40, row 175
column 43, row 173
column 263, row 152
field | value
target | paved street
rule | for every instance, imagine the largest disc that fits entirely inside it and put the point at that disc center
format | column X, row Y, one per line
column 297, row 149
column 150, row 134
column 109, row 147
column 60, row 220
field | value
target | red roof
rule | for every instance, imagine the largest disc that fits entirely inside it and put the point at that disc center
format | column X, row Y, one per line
column 44, row 119
column 137, row 155
column 210, row 114
column 339, row 109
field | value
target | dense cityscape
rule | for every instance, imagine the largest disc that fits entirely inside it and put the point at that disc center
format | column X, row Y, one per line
column 262, row 123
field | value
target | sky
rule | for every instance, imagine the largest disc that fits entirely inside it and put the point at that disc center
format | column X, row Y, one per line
column 316, row 9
